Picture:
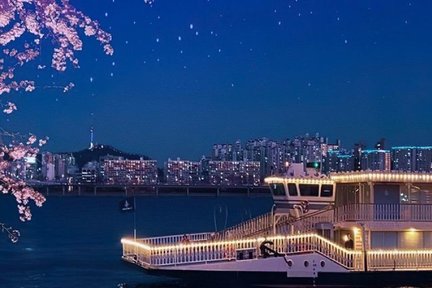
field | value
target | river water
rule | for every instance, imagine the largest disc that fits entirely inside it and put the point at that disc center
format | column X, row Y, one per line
column 75, row 241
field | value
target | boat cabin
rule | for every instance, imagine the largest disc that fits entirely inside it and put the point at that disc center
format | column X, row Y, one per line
column 389, row 210
column 288, row 193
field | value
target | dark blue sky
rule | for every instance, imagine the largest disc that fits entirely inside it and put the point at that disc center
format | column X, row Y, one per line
column 188, row 74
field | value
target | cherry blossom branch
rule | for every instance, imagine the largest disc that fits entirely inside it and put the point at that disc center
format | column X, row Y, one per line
column 31, row 22
column 15, row 154
column 37, row 20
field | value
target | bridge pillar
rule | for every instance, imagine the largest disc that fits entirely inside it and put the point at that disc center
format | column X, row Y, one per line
column 95, row 190
column 63, row 189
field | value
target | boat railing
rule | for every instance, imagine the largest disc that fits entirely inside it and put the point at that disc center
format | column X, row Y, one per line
column 301, row 243
column 357, row 212
column 174, row 239
column 399, row 260
column 145, row 255
column 306, row 223
column 247, row 228
column 384, row 212
column 263, row 225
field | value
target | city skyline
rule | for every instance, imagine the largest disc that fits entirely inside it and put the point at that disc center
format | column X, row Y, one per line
column 369, row 144
column 207, row 72
column 229, row 164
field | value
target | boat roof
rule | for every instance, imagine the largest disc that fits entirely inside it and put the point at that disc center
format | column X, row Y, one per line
column 299, row 180
column 356, row 177
column 381, row 176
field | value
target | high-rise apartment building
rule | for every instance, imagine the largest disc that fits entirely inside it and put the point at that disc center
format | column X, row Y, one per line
column 375, row 160
column 274, row 157
column 403, row 158
column 182, row 172
column 412, row 158
column 338, row 161
column 345, row 163
column 90, row 173
column 423, row 160
column 238, row 151
column 222, row 152
column 234, row 172
column 24, row 169
column 48, row 166
column 131, row 172
column 268, row 153
column 57, row 167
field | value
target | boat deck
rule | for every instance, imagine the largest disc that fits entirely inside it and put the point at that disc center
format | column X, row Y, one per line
column 289, row 236
column 147, row 255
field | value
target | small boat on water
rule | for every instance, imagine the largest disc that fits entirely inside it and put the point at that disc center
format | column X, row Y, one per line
column 360, row 228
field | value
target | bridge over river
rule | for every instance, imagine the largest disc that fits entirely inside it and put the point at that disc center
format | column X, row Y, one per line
column 62, row 189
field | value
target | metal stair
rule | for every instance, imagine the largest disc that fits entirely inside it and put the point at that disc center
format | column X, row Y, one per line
column 263, row 225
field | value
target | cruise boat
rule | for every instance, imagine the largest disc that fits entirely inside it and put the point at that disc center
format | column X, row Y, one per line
column 356, row 228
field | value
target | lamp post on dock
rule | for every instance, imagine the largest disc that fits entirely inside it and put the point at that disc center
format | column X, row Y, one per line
column 134, row 215
column 129, row 205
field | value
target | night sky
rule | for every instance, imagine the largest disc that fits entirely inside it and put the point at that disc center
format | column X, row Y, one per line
column 188, row 74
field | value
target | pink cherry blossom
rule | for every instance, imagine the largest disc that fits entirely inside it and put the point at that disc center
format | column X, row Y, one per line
column 10, row 107
column 56, row 21
column 32, row 22
column 12, row 153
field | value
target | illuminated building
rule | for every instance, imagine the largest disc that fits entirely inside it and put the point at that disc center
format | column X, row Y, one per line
column 64, row 166
column 130, row 172
column 423, row 159
column 222, row 152
column 375, row 160
column 412, row 158
column 89, row 173
column 234, row 172
column 24, row 169
column 335, row 161
column 274, row 156
column 182, row 172
column 403, row 158
column 268, row 153
column 48, row 166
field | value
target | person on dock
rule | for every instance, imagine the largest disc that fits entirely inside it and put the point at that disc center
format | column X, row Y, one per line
column 185, row 239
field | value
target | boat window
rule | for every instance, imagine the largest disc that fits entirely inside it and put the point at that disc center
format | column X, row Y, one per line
column 292, row 189
column 326, row 190
column 309, row 190
column 277, row 189
column 322, row 263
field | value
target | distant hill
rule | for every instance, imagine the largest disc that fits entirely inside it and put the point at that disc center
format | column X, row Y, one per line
column 86, row 155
